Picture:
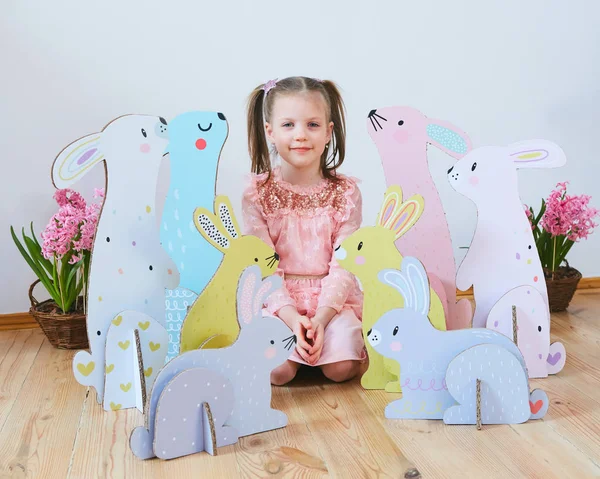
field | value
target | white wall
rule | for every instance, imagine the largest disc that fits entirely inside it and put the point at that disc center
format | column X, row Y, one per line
column 501, row 70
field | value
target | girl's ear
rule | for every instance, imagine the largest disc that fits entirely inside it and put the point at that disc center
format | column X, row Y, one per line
column 330, row 133
column 269, row 132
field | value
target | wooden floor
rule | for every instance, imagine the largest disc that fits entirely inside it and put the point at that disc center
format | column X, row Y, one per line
column 51, row 427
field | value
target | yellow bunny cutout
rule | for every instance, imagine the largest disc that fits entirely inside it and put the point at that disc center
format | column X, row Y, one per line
column 212, row 320
column 368, row 251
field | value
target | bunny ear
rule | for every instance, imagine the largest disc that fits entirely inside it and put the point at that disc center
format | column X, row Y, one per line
column 537, row 154
column 391, row 201
column 411, row 282
column 207, row 226
column 247, row 286
column 417, row 277
column 448, row 138
column 397, row 216
column 225, row 211
column 268, row 286
column 397, row 280
column 409, row 213
column 75, row 160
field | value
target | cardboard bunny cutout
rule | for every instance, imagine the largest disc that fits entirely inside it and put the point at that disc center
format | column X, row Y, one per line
column 502, row 255
column 177, row 304
column 366, row 252
column 183, row 424
column 129, row 269
column 263, row 344
column 429, row 386
column 196, row 139
column 211, row 322
column 136, row 346
column 402, row 135
column 533, row 325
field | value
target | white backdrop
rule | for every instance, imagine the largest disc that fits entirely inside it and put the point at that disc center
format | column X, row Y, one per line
column 502, row 70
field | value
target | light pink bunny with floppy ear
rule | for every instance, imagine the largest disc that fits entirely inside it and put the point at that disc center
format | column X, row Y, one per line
column 402, row 134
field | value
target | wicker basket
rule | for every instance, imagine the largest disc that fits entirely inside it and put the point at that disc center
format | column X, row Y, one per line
column 562, row 288
column 64, row 331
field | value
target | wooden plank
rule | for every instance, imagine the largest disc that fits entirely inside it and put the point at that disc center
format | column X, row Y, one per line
column 107, row 435
column 350, row 439
column 6, row 339
column 17, row 355
column 573, row 415
column 286, row 452
column 439, row 450
column 38, row 435
column 9, row 322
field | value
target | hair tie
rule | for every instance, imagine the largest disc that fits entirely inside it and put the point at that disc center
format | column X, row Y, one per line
column 269, row 86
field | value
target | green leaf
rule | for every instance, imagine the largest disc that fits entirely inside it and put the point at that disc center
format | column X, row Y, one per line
column 34, row 266
column 59, row 299
column 46, row 263
column 70, row 276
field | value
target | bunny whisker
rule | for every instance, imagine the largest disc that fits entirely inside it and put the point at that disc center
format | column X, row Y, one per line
column 374, row 120
column 271, row 261
column 289, row 342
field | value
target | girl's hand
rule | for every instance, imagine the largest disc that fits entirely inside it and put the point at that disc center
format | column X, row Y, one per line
column 317, row 334
column 301, row 329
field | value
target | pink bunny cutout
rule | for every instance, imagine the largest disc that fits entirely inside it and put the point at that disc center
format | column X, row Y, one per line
column 401, row 135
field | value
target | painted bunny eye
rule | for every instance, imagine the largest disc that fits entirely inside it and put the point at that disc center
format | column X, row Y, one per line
column 98, row 333
column 401, row 122
column 144, row 133
column 205, row 129
column 360, row 245
column 540, row 329
column 529, row 247
column 272, row 342
column 395, row 331
column 150, row 268
column 256, row 260
column 474, row 166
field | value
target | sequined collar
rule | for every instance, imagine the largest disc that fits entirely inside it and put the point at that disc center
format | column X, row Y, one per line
column 278, row 198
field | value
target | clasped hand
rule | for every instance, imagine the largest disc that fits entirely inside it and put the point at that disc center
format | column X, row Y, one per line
column 309, row 335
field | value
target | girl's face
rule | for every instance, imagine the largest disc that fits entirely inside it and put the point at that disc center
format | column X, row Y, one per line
column 299, row 128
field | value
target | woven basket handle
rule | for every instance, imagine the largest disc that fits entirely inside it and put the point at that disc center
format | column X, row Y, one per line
column 34, row 302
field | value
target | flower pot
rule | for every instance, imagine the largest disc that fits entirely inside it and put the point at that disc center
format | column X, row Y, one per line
column 64, row 331
column 562, row 288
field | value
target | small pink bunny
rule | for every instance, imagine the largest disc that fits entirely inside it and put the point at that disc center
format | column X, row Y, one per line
column 401, row 134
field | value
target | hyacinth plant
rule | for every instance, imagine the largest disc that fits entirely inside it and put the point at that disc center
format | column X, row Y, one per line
column 62, row 261
column 562, row 221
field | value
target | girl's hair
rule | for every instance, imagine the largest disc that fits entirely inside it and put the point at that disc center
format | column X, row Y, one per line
column 260, row 108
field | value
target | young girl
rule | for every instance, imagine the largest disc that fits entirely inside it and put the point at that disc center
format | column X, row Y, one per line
column 304, row 209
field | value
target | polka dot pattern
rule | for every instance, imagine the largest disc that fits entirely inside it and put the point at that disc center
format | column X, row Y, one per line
column 211, row 230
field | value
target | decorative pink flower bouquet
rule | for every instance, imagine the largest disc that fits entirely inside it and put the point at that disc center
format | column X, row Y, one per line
column 562, row 221
column 62, row 261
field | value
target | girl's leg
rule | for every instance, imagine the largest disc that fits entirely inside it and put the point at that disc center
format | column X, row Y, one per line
column 285, row 373
column 341, row 371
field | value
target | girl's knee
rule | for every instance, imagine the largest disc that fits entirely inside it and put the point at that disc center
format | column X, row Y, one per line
column 341, row 371
column 284, row 373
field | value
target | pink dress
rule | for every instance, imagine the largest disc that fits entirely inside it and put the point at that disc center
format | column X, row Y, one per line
column 304, row 224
